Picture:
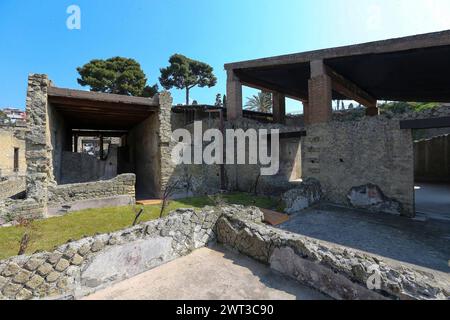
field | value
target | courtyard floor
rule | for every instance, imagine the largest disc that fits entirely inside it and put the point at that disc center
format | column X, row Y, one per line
column 433, row 200
column 209, row 273
column 424, row 244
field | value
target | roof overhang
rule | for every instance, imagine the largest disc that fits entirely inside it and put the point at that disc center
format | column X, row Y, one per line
column 412, row 68
column 101, row 111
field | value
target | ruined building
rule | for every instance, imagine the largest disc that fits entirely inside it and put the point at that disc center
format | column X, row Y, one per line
column 364, row 160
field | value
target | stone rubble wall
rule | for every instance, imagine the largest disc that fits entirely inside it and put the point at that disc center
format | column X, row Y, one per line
column 12, row 210
column 121, row 185
column 166, row 141
column 432, row 159
column 337, row 271
column 206, row 178
column 306, row 194
column 82, row 267
column 11, row 187
column 374, row 150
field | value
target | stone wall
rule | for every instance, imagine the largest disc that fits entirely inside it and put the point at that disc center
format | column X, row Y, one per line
column 12, row 210
column 11, row 187
column 118, row 186
column 373, row 150
column 207, row 178
column 166, row 142
column 337, row 271
column 38, row 140
column 82, row 267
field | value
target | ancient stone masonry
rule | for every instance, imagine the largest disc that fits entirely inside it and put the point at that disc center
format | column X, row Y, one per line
column 340, row 272
column 346, row 154
column 303, row 196
column 120, row 185
column 165, row 138
column 11, row 187
column 78, row 268
column 38, row 154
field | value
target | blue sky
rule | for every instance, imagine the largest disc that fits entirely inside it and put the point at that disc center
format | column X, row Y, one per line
column 34, row 37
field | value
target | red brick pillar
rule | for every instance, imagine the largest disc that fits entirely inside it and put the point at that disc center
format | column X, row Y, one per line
column 234, row 96
column 279, row 107
column 320, row 94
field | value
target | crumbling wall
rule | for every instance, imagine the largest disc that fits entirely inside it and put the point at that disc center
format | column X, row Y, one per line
column 84, row 266
column 38, row 142
column 81, row 267
column 60, row 140
column 340, row 272
column 245, row 177
column 373, row 150
column 11, row 187
column 71, row 197
column 166, row 143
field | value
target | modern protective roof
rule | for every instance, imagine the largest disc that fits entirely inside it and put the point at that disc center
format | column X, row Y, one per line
column 415, row 68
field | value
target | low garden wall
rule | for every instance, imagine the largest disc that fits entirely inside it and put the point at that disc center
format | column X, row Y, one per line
column 119, row 191
column 11, row 187
column 337, row 271
column 79, row 268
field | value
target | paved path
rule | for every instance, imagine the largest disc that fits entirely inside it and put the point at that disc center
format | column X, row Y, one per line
column 421, row 243
column 433, row 199
column 209, row 274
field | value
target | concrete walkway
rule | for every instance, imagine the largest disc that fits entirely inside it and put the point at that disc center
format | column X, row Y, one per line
column 433, row 200
column 424, row 244
column 209, row 274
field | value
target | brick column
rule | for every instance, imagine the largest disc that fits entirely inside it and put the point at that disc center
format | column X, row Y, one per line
column 234, row 96
column 279, row 108
column 320, row 94
column 372, row 111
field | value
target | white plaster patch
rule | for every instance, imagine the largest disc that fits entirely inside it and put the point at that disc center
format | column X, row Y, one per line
column 124, row 261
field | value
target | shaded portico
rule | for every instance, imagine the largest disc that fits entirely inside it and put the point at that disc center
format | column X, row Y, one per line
column 412, row 68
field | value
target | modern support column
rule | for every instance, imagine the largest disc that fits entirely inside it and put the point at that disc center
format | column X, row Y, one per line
column 234, row 96
column 305, row 111
column 279, row 107
column 372, row 111
column 320, row 94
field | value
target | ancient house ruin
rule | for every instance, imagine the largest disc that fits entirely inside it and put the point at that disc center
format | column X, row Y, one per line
column 369, row 159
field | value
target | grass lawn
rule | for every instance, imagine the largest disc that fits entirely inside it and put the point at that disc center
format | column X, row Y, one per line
column 49, row 233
